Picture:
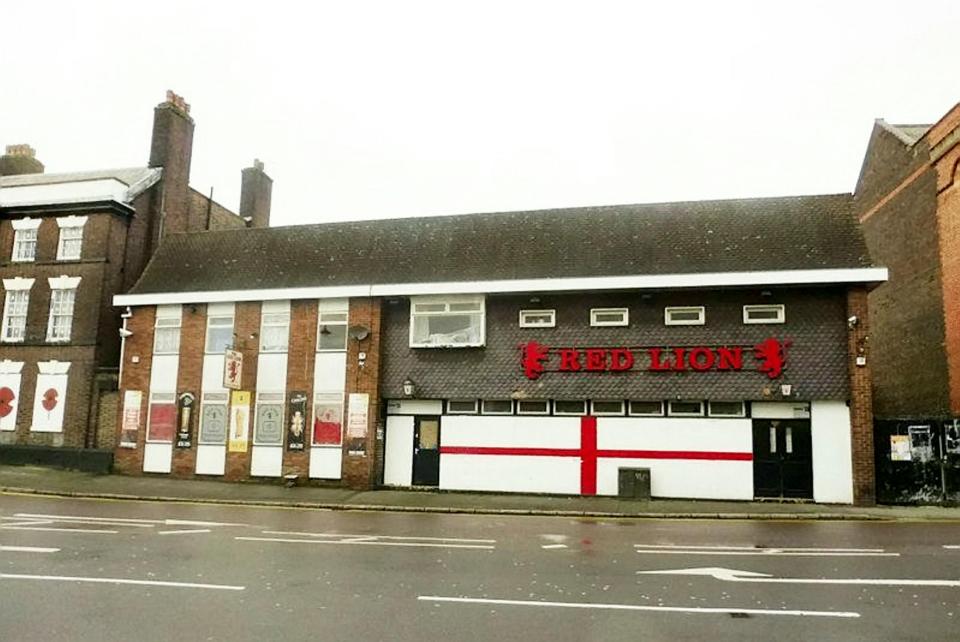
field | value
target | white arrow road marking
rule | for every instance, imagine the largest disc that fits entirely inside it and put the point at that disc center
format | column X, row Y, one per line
column 733, row 575
column 91, row 519
column 184, row 532
column 191, row 522
column 951, row 546
column 28, row 549
column 552, row 546
column 358, row 542
column 118, row 580
column 58, row 530
column 638, row 607
column 668, row 549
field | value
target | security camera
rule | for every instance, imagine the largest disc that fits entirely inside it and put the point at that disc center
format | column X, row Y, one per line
column 126, row 334
column 853, row 321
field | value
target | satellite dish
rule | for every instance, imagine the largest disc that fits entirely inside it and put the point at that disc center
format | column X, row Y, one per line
column 359, row 332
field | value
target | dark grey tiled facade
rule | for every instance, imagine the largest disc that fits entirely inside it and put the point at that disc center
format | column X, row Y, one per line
column 816, row 360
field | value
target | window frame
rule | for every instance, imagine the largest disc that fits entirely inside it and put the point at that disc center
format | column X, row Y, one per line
column 19, row 241
column 524, row 323
column 8, row 308
column 56, row 311
column 447, row 302
column 594, row 323
column 562, row 413
column 206, row 338
column 780, row 308
column 631, row 413
column 167, row 323
column 264, row 324
column 70, row 224
column 484, row 411
column 607, row 413
column 672, row 413
column 740, row 415
column 700, row 309
column 546, row 410
column 451, row 411
column 333, row 308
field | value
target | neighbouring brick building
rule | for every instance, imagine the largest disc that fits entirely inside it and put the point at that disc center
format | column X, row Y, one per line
column 721, row 344
column 908, row 202
column 69, row 242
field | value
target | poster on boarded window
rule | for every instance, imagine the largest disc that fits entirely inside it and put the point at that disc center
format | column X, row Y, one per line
column 357, row 415
column 239, row 421
column 130, row 421
column 297, row 426
column 327, row 419
column 162, row 421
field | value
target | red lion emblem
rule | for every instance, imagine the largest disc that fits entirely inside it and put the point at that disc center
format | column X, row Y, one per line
column 534, row 354
column 772, row 356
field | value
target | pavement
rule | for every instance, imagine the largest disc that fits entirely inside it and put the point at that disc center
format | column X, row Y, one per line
column 65, row 483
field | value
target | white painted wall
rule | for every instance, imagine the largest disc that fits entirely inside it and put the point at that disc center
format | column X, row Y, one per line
column 832, row 456
column 779, row 410
column 414, row 407
column 509, row 431
column 510, row 474
column 398, row 451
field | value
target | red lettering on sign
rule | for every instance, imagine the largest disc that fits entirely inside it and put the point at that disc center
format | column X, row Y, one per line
column 569, row 360
column 655, row 363
column 702, row 359
column 678, row 356
column 596, row 359
column 621, row 359
column 730, row 358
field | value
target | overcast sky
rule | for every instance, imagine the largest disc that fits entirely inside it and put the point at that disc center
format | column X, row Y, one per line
column 384, row 109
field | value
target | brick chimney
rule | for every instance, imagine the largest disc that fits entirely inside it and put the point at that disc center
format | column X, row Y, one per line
column 255, row 190
column 171, row 148
column 20, row 159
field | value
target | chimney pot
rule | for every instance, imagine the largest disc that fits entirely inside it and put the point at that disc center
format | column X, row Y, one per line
column 256, row 188
column 20, row 159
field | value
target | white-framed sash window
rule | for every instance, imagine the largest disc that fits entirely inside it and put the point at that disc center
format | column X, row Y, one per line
column 25, row 239
column 70, row 243
column 447, row 321
column 16, row 303
column 63, row 296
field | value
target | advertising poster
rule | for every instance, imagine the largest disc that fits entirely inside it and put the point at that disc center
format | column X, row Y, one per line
column 269, row 425
column 213, row 424
column 232, row 369
column 900, row 448
column 163, row 420
column 297, row 425
column 327, row 420
column 239, row 421
column 130, row 421
column 184, row 420
column 357, row 414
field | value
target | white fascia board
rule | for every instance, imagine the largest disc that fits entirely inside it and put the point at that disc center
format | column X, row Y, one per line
column 639, row 282
column 107, row 189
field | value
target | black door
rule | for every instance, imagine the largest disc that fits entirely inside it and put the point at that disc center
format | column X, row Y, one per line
column 426, row 451
column 782, row 458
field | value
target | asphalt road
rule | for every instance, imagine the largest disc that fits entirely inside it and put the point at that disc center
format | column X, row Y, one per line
column 101, row 570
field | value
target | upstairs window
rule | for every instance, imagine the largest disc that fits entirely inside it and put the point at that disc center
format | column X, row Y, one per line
column 63, row 294
column 166, row 330
column 25, row 239
column 756, row 314
column 689, row 315
column 447, row 322
column 332, row 325
column 71, row 237
column 538, row 318
column 219, row 332
column 600, row 317
column 274, row 330
column 15, row 305
column 462, row 407
column 726, row 409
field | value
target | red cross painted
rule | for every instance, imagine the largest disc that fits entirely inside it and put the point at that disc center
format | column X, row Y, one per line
column 589, row 454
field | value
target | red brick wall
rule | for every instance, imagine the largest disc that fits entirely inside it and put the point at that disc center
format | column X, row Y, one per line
column 948, row 220
column 359, row 471
column 246, row 325
column 301, row 355
column 136, row 376
column 861, row 401
column 193, row 330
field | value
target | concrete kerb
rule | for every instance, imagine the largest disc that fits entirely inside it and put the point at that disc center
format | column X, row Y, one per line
column 339, row 506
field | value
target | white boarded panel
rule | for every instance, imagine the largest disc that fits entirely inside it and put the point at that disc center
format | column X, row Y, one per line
column 157, row 458
column 330, row 371
column 832, row 465
column 325, row 462
column 11, row 397
column 398, row 451
column 272, row 371
column 414, row 407
column 211, row 460
column 508, row 473
column 675, row 433
column 683, row 478
column 510, row 431
column 266, row 461
column 163, row 373
column 212, row 373
column 779, row 410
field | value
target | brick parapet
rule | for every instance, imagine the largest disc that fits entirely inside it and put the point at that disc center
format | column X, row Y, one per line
column 136, row 376
column 861, row 399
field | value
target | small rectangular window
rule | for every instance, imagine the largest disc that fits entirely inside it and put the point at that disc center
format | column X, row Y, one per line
column 274, row 331
column 569, row 407
column 25, row 244
column 753, row 314
column 529, row 407
column 462, row 407
column 497, row 407
column 646, row 408
column 690, row 315
column 166, row 336
column 447, row 322
column 219, row 333
column 609, row 317
column 606, row 407
column 685, row 409
column 538, row 318
column 726, row 409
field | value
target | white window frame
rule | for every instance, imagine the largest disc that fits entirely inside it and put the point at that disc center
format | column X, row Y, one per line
column 275, row 316
column 221, row 313
column 167, row 318
column 15, row 286
column 699, row 309
column 779, row 308
column 595, row 312
column 711, row 413
column 25, row 230
column 59, row 287
column 333, row 312
column 447, row 301
column 631, row 413
column 485, row 411
column 607, row 413
column 451, row 411
column 70, row 224
column 673, row 413
column 525, row 321
column 561, row 413
column 546, row 410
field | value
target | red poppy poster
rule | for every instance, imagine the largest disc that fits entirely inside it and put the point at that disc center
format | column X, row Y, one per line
column 163, row 421
column 327, row 420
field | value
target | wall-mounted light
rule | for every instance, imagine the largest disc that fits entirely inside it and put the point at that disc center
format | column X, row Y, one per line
column 409, row 388
column 853, row 321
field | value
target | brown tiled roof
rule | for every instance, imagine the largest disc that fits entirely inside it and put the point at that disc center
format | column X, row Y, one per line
column 801, row 232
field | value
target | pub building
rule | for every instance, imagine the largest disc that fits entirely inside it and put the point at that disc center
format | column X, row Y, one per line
column 723, row 345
